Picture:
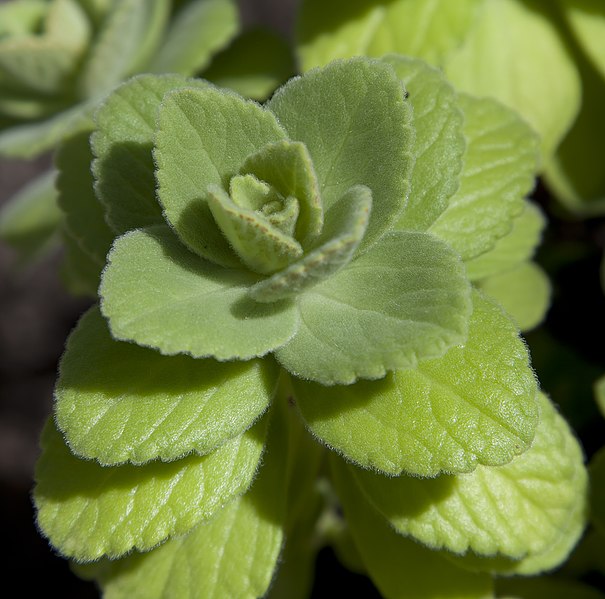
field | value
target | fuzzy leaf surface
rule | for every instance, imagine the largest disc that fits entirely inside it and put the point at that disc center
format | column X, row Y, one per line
column 512, row 249
column 520, row 71
column 345, row 28
column 203, row 138
column 400, row 567
column 122, row 144
column 200, row 29
column 440, row 142
column 119, row 402
column 363, row 110
column 475, row 405
column 87, row 510
column 157, row 293
column 231, row 556
column 523, row 291
column 421, row 309
column 500, row 164
column 513, row 510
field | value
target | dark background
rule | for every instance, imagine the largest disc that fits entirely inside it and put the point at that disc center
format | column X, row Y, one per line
column 36, row 315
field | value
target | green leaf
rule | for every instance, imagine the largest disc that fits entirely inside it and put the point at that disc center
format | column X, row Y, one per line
column 553, row 587
column 158, row 294
column 520, row 71
column 288, row 168
column 256, row 63
column 398, row 566
column 200, row 29
column 87, row 510
column 475, row 405
column 499, row 169
column 362, row 135
column 84, row 214
column 31, row 139
column 29, row 221
column 346, row 224
column 524, row 292
column 260, row 245
column 513, row 510
column 538, row 502
column 575, row 173
column 419, row 307
column 118, row 402
column 203, row 138
column 597, row 490
column 80, row 272
column 512, row 249
column 129, row 33
column 587, row 21
column 232, row 555
column 21, row 18
column 440, row 143
column 122, row 144
column 344, row 28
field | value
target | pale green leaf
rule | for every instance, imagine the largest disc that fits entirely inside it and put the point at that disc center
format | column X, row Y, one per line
column 587, row 21
column 344, row 28
column 21, row 18
column 129, row 33
column 157, row 293
column 29, row 221
column 67, row 24
column 440, row 143
column 288, row 168
column 122, row 144
column 575, row 173
column 513, row 510
column 523, row 291
column 523, row 69
column 118, row 402
column 256, row 63
column 84, row 214
column 200, row 29
column 500, row 165
column 346, row 223
column 260, row 245
column 87, row 510
column 475, row 405
column 597, row 490
column 512, row 249
column 30, row 139
column 361, row 136
column 231, row 556
column 398, row 566
column 418, row 308
column 203, row 138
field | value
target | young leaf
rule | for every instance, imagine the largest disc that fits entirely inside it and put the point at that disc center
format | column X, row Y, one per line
column 398, row 566
column 475, row 405
column 346, row 224
column 523, row 291
column 512, row 510
column 118, row 402
column 84, row 214
column 440, row 143
column 512, row 249
column 87, row 510
column 420, row 308
column 201, row 28
column 203, row 138
column 499, row 169
column 158, row 294
column 344, row 28
column 523, row 70
column 363, row 109
column 232, row 555
column 122, row 144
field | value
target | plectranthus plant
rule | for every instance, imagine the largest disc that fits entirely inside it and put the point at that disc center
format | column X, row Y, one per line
column 292, row 345
column 59, row 58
